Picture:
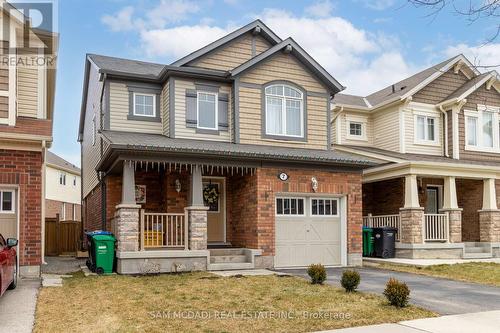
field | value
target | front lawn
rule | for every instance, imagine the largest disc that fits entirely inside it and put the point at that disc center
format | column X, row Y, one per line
column 207, row 303
column 478, row 272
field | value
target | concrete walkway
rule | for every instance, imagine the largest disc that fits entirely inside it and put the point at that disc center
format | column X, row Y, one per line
column 425, row 262
column 62, row 265
column 439, row 295
column 484, row 322
column 17, row 307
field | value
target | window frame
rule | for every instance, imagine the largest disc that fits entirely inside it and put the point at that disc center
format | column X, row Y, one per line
column 478, row 116
column 13, row 206
column 62, row 178
column 216, row 95
column 363, row 125
column 289, row 198
column 134, row 113
column 303, row 120
column 426, row 140
column 324, row 199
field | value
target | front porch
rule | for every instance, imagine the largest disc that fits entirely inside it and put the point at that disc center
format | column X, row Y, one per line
column 175, row 217
column 445, row 217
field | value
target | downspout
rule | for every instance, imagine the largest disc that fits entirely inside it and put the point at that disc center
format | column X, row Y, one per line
column 445, row 131
column 102, row 175
column 42, row 249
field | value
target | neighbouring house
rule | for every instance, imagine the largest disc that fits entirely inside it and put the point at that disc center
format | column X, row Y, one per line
column 26, row 112
column 438, row 134
column 63, row 189
column 220, row 160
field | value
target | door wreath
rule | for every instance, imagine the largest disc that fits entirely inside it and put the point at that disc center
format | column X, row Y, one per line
column 211, row 197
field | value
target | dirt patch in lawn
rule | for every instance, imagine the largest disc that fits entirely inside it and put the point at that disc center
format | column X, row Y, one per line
column 477, row 272
column 207, row 304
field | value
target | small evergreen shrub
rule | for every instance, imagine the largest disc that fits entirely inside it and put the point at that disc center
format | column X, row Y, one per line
column 350, row 280
column 397, row 293
column 317, row 273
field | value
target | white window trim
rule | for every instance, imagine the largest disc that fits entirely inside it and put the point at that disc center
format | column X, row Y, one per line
column 479, row 130
column 289, row 215
column 13, row 210
column 63, row 212
column 426, row 116
column 216, row 95
column 363, row 136
column 62, row 175
column 154, row 105
column 283, row 110
column 324, row 215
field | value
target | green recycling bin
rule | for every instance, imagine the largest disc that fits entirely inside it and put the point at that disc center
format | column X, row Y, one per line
column 104, row 253
column 368, row 242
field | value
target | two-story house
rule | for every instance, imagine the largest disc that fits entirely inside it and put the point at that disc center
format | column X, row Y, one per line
column 63, row 189
column 27, row 85
column 219, row 160
column 438, row 134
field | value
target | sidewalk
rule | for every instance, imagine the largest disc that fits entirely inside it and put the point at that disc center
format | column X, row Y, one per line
column 484, row 322
column 424, row 262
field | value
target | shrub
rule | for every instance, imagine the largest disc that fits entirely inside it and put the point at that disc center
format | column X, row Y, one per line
column 317, row 272
column 350, row 280
column 397, row 293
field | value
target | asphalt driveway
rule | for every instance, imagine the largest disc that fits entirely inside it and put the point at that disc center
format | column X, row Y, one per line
column 439, row 295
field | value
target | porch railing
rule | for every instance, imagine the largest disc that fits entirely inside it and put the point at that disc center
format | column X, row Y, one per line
column 436, row 227
column 163, row 230
column 378, row 221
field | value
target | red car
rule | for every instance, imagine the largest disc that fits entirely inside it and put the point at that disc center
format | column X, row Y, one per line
column 8, row 264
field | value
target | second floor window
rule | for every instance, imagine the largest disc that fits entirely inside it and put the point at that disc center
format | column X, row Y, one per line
column 482, row 129
column 284, row 111
column 425, row 128
column 207, row 110
column 62, row 179
column 144, row 105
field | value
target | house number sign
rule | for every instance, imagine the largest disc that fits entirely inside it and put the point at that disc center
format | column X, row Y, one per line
column 283, row 176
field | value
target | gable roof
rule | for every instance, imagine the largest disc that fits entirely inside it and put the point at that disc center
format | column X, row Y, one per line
column 264, row 31
column 469, row 87
column 408, row 86
column 60, row 163
column 303, row 57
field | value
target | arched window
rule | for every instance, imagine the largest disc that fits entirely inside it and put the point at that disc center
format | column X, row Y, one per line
column 284, row 111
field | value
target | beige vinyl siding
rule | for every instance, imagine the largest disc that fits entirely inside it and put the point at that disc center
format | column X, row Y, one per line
column 481, row 96
column 233, row 53
column 165, row 108
column 8, row 225
column 27, row 91
column 119, row 111
column 4, row 107
column 91, row 154
column 440, row 88
column 181, row 130
column 345, row 118
column 418, row 148
column 386, row 129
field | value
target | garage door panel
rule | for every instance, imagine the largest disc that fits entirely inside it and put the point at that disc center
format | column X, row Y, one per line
column 324, row 230
column 326, row 254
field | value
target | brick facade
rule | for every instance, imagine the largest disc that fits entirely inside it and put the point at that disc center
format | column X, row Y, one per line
column 23, row 169
column 54, row 207
column 470, row 198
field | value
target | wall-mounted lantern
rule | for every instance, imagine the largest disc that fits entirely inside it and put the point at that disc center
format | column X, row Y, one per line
column 178, row 186
column 314, row 184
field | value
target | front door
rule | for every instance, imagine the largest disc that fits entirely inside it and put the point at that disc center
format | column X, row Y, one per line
column 214, row 198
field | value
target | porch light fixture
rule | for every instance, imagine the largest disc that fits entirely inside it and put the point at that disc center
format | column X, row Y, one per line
column 314, row 184
column 177, row 185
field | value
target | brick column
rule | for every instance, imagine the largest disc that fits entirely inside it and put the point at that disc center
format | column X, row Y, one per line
column 489, row 225
column 454, row 224
column 197, row 219
column 412, row 222
column 126, row 227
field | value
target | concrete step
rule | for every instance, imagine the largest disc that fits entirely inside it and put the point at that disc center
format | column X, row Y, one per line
column 476, row 244
column 228, row 259
column 477, row 250
column 230, row 266
column 226, row 252
column 477, row 256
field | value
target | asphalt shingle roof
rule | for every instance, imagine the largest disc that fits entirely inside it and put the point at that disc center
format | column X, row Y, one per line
column 126, row 65
column 157, row 142
column 55, row 160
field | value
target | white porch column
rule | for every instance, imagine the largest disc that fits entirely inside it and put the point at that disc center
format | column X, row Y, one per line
column 128, row 184
column 197, row 213
column 489, row 194
column 450, row 193
column 411, row 192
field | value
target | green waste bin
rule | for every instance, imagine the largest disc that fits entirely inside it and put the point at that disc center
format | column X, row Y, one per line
column 104, row 253
column 368, row 241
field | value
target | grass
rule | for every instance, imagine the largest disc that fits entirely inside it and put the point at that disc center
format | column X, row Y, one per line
column 137, row 304
column 477, row 272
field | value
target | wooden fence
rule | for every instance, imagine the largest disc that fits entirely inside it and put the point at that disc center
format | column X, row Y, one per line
column 62, row 237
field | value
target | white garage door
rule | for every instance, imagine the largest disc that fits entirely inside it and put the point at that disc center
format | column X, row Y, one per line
column 308, row 231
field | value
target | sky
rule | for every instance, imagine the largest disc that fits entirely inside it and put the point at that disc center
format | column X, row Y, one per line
column 364, row 44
